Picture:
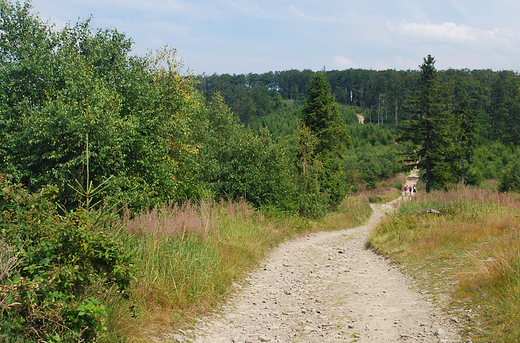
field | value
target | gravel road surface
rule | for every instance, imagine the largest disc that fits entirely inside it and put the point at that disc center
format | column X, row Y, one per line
column 326, row 287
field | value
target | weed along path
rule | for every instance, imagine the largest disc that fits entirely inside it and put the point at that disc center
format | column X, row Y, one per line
column 326, row 287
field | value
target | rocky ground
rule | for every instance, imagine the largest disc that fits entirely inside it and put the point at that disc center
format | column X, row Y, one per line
column 326, row 287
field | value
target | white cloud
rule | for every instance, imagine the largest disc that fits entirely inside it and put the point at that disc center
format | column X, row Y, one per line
column 380, row 65
column 341, row 62
column 445, row 32
column 451, row 33
column 402, row 63
column 453, row 44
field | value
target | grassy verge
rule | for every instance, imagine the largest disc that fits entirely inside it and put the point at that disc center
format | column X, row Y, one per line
column 387, row 190
column 467, row 256
column 187, row 259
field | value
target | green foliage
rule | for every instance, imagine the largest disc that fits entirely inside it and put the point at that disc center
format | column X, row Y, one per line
column 431, row 132
column 371, row 163
column 494, row 161
column 236, row 163
column 373, row 154
column 321, row 116
column 465, row 126
column 483, row 108
column 348, row 114
column 371, row 134
column 282, row 122
column 473, row 175
column 313, row 201
column 247, row 95
column 510, row 178
column 141, row 113
column 50, row 295
column 504, row 111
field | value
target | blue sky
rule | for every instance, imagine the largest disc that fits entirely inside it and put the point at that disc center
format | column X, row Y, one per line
column 243, row 36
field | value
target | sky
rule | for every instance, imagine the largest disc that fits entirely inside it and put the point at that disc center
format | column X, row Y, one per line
column 247, row 36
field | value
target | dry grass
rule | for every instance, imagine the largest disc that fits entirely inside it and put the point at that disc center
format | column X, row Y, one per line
column 382, row 195
column 8, row 261
column 468, row 254
column 387, row 190
column 352, row 212
column 173, row 220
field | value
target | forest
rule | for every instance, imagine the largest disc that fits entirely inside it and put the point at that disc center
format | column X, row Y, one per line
column 378, row 94
column 490, row 98
column 92, row 136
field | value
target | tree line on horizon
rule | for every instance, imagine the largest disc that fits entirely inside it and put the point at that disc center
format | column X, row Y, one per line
column 380, row 95
column 486, row 102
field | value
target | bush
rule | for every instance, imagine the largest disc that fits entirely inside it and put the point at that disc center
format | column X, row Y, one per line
column 235, row 163
column 510, row 179
column 474, row 176
column 63, row 264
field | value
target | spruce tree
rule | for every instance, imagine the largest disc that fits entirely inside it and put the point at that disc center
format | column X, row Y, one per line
column 430, row 132
column 320, row 114
column 466, row 126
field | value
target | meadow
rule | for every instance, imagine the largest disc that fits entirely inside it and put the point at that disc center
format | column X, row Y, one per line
column 466, row 257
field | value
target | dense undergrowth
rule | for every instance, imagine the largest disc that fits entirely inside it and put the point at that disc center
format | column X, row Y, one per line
column 56, row 269
column 470, row 252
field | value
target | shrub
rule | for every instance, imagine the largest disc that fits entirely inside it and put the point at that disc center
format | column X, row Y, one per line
column 510, row 179
column 474, row 176
column 63, row 264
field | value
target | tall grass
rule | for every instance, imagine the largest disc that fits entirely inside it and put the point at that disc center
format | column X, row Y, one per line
column 352, row 212
column 188, row 257
column 386, row 190
column 469, row 252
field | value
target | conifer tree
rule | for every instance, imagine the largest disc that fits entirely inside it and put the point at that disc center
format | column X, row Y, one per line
column 430, row 133
column 321, row 116
column 466, row 126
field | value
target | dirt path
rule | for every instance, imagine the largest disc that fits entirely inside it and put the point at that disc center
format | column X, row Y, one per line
column 326, row 287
